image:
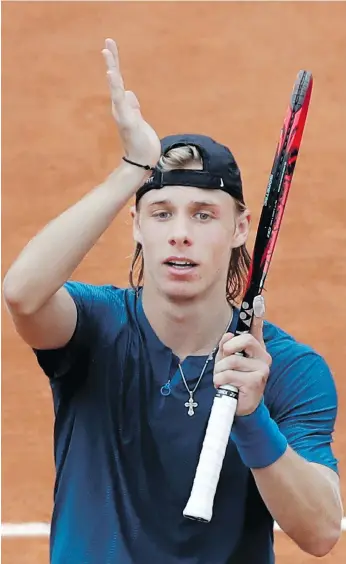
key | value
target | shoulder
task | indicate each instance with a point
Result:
(301, 396)
(298, 370)
(286, 350)
(279, 341)
(95, 292)
(105, 295)
(106, 305)
(103, 313)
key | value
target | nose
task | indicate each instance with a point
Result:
(180, 233)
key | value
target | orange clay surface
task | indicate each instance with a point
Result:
(225, 69)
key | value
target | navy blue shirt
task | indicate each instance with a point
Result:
(126, 455)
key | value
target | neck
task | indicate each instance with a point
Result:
(191, 327)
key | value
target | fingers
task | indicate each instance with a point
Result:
(257, 322)
(226, 337)
(132, 100)
(115, 80)
(247, 343)
(237, 362)
(259, 307)
(253, 380)
(111, 46)
(232, 369)
(125, 105)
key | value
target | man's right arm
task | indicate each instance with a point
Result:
(43, 311)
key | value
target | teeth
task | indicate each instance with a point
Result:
(180, 263)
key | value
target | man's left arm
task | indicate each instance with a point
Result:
(304, 499)
(301, 488)
(288, 448)
(289, 453)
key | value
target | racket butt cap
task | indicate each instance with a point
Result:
(196, 512)
(199, 519)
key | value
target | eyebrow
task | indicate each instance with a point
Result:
(159, 203)
(194, 203)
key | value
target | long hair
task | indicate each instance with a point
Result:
(189, 157)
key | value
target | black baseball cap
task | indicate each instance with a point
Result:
(220, 170)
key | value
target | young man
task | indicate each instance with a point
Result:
(124, 363)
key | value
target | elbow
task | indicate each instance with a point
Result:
(14, 298)
(323, 547)
(321, 544)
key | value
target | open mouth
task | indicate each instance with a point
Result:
(181, 264)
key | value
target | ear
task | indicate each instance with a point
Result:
(135, 225)
(242, 228)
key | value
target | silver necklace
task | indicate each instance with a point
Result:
(191, 403)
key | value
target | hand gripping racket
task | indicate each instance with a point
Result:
(200, 504)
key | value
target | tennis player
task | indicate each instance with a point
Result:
(133, 370)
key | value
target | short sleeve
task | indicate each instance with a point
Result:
(73, 357)
(303, 401)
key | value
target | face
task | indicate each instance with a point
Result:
(187, 235)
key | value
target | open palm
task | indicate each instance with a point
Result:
(140, 141)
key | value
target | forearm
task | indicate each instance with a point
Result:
(302, 500)
(50, 258)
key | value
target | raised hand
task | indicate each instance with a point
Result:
(140, 141)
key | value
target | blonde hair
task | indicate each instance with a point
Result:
(181, 157)
(188, 157)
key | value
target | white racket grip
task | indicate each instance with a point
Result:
(201, 500)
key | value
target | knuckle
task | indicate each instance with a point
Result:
(268, 358)
(248, 340)
(263, 376)
(221, 378)
(238, 362)
(231, 362)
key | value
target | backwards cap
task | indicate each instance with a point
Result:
(220, 170)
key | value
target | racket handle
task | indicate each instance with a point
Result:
(200, 504)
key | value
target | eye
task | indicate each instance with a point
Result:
(161, 214)
(203, 216)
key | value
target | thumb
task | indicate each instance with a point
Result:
(257, 322)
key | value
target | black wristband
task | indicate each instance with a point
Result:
(146, 167)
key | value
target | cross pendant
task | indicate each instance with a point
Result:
(191, 404)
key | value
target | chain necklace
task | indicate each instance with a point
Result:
(191, 403)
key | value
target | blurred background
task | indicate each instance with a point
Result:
(225, 69)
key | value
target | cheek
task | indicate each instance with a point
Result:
(151, 244)
(148, 233)
(218, 245)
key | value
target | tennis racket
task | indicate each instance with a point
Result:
(200, 504)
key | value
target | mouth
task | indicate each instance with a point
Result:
(180, 264)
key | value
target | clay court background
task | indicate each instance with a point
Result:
(225, 69)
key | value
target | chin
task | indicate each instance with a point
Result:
(181, 292)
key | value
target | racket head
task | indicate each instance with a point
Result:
(276, 195)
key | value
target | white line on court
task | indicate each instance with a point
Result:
(43, 529)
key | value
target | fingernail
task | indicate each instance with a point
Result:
(258, 306)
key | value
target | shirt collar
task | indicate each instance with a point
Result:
(151, 338)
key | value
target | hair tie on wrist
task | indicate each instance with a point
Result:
(146, 167)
